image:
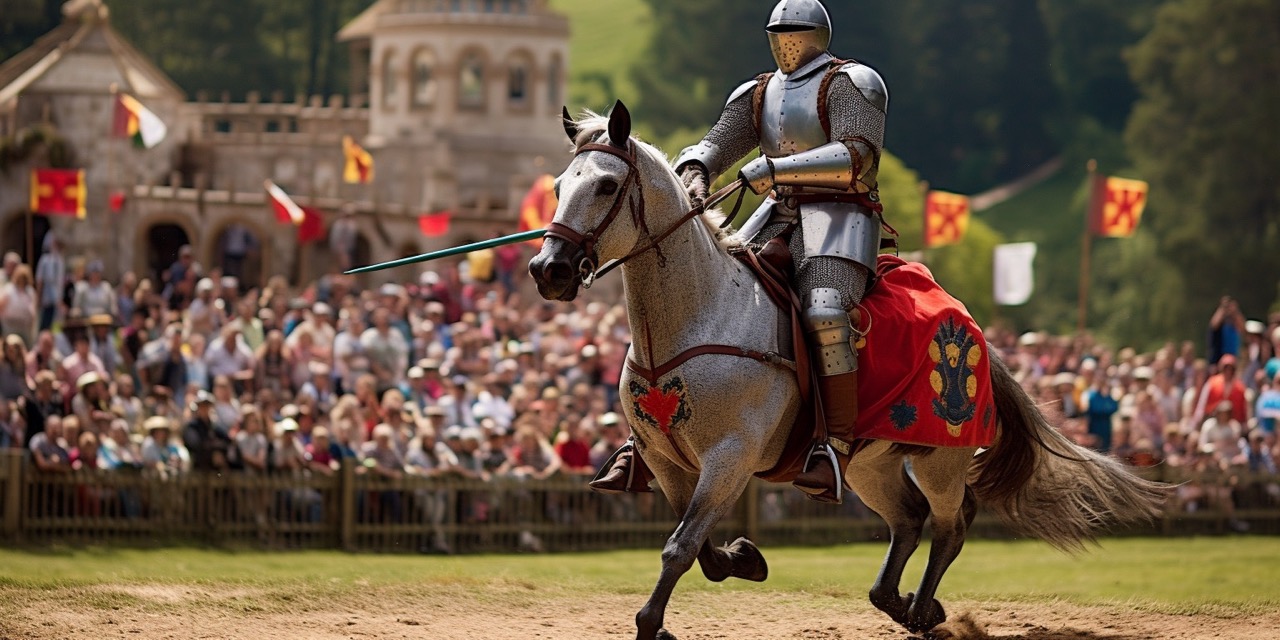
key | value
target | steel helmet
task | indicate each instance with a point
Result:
(799, 31)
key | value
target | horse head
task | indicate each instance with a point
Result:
(601, 212)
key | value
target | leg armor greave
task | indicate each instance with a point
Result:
(830, 330)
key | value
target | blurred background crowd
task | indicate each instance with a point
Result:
(459, 372)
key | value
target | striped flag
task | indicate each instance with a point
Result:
(287, 211)
(359, 166)
(539, 206)
(132, 120)
(1117, 206)
(946, 218)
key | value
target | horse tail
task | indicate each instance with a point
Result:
(1041, 484)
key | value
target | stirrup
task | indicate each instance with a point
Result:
(610, 464)
(823, 450)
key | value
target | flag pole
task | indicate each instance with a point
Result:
(1086, 249)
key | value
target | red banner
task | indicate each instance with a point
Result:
(1117, 206)
(946, 218)
(434, 225)
(58, 192)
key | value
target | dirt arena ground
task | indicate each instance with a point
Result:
(183, 612)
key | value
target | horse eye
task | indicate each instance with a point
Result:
(607, 188)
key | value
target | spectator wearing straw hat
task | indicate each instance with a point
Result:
(102, 341)
(161, 451)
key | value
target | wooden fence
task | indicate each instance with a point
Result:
(358, 512)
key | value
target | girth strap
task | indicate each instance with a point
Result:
(653, 375)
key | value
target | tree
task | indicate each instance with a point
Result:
(1206, 135)
(23, 21)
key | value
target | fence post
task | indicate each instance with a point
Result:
(347, 511)
(13, 494)
(753, 510)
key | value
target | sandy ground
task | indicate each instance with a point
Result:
(183, 612)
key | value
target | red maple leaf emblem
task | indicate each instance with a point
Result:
(661, 406)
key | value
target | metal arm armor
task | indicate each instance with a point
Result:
(829, 166)
(732, 137)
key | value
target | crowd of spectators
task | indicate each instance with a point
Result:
(459, 372)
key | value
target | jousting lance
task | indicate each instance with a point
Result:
(523, 236)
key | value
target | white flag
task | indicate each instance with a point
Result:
(1014, 279)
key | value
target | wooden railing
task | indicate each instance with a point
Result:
(358, 512)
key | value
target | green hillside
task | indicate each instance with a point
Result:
(607, 37)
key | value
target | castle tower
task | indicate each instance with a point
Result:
(463, 99)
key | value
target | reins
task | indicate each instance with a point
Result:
(588, 268)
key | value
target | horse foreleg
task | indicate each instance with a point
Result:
(883, 485)
(712, 499)
(941, 476)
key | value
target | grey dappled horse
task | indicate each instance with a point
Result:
(709, 422)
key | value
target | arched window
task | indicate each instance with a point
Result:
(424, 81)
(389, 80)
(471, 81)
(553, 81)
(518, 82)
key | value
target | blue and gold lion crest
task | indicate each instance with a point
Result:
(955, 354)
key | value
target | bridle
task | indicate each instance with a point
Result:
(589, 268)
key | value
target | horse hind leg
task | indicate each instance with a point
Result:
(941, 476)
(883, 485)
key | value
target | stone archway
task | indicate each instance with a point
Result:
(161, 240)
(240, 248)
(13, 236)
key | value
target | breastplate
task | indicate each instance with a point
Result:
(789, 120)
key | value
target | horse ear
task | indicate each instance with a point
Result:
(619, 125)
(570, 127)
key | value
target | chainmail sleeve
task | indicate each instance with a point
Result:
(855, 122)
(852, 116)
(732, 137)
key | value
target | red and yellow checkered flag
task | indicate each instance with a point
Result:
(946, 218)
(1117, 207)
(58, 192)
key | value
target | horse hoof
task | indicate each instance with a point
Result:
(663, 634)
(894, 605)
(747, 561)
(920, 621)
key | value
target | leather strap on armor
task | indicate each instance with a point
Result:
(757, 101)
(824, 116)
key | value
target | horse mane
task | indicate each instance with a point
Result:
(593, 126)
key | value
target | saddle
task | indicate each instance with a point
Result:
(774, 268)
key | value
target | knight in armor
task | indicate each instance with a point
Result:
(818, 122)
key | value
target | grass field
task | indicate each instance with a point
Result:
(1221, 574)
(608, 36)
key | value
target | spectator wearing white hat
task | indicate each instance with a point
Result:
(319, 323)
(205, 314)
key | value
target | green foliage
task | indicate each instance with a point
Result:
(1205, 134)
(23, 21)
(27, 142)
(608, 35)
(261, 45)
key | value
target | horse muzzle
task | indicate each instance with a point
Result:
(557, 270)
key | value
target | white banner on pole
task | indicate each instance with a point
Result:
(1014, 279)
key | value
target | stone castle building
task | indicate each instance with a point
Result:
(457, 100)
